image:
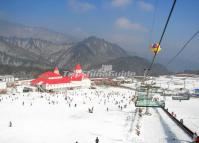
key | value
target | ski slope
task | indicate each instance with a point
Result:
(60, 122)
(159, 128)
(186, 110)
(64, 118)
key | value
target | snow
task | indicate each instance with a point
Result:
(50, 118)
(161, 129)
(186, 110)
(44, 122)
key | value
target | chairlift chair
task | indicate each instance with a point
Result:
(145, 96)
(150, 103)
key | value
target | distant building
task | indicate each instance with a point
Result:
(109, 74)
(78, 78)
(3, 87)
(53, 81)
(106, 71)
(9, 79)
(106, 68)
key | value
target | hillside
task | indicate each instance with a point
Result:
(22, 71)
(11, 29)
(29, 49)
(89, 52)
(43, 48)
(135, 64)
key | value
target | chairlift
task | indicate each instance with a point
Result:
(142, 89)
(153, 89)
(181, 96)
(156, 89)
(150, 103)
(145, 98)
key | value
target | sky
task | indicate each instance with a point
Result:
(133, 24)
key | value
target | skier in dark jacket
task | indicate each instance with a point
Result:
(10, 124)
(97, 140)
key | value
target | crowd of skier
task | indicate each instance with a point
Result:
(110, 100)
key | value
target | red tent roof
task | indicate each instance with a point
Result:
(78, 67)
(57, 81)
(36, 81)
(56, 68)
(78, 77)
(45, 78)
(49, 74)
(50, 81)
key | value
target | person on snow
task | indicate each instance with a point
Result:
(10, 124)
(195, 138)
(97, 140)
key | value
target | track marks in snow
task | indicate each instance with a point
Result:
(171, 136)
(173, 132)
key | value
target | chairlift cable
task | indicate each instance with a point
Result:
(153, 60)
(183, 47)
(162, 35)
(153, 22)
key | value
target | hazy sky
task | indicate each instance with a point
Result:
(126, 22)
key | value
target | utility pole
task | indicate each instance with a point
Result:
(147, 108)
(184, 83)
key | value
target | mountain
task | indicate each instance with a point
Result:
(31, 49)
(90, 51)
(10, 29)
(22, 72)
(27, 51)
(15, 61)
(190, 72)
(135, 64)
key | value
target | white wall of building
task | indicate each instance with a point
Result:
(3, 85)
(82, 83)
(55, 86)
(7, 78)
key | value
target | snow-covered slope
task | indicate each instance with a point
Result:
(64, 118)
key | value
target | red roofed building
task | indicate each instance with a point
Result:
(56, 70)
(54, 81)
(51, 80)
(78, 78)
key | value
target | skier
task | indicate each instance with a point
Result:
(181, 121)
(97, 140)
(10, 124)
(195, 138)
